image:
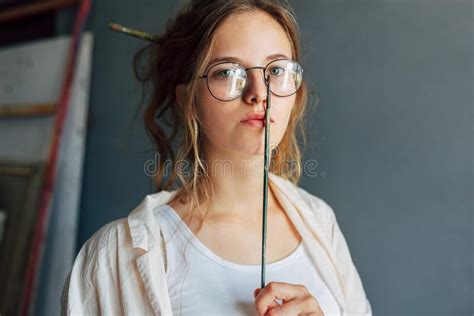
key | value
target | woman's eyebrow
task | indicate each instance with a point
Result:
(238, 60)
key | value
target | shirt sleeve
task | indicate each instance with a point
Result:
(79, 291)
(356, 299)
(64, 295)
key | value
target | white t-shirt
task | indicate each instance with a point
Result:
(208, 284)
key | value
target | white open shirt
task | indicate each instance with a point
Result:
(120, 270)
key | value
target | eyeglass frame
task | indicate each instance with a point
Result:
(246, 84)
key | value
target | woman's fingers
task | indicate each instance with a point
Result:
(265, 299)
(272, 304)
(296, 300)
(297, 306)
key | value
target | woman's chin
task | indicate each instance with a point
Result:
(254, 150)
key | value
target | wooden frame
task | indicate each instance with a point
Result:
(20, 191)
(38, 7)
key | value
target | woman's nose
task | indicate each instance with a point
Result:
(256, 89)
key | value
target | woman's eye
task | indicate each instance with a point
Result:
(277, 71)
(224, 73)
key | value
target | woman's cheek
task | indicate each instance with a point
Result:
(282, 119)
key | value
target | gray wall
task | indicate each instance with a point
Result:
(392, 134)
(394, 138)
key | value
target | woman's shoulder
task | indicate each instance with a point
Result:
(109, 232)
(294, 190)
(322, 212)
(106, 241)
(318, 204)
(127, 236)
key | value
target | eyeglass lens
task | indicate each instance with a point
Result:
(227, 81)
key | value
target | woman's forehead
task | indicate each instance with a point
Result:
(250, 36)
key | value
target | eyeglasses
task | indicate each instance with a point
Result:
(227, 81)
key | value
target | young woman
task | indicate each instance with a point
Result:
(196, 249)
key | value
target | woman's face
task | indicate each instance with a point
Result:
(252, 37)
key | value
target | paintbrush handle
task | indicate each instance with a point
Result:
(136, 33)
(265, 184)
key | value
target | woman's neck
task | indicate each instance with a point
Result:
(237, 180)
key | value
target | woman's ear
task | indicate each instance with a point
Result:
(179, 93)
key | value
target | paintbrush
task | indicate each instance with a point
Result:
(136, 33)
(265, 182)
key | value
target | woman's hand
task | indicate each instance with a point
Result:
(296, 300)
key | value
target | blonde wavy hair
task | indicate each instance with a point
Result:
(180, 56)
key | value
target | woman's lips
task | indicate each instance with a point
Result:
(255, 123)
(257, 116)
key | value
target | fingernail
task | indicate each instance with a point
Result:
(255, 292)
